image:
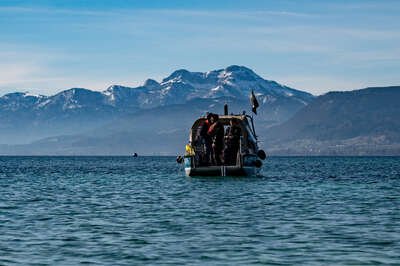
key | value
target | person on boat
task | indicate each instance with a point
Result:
(204, 140)
(216, 131)
(232, 142)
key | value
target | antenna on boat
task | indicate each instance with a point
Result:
(254, 129)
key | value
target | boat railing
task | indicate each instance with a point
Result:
(239, 160)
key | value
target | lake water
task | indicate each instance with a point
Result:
(129, 211)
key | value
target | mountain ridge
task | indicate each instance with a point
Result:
(358, 122)
(211, 80)
(167, 133)
(78, 109)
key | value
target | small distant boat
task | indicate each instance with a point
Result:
(248, 156)
(135, 155)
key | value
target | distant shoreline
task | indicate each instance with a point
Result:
(173, 156)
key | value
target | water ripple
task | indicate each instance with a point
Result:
(124, 211)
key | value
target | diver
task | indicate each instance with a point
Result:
(216, 132)
(232, 142)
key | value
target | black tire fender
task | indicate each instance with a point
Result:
(261, 154)
(258, 163)
(179, 159)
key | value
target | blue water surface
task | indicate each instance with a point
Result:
(134, 211)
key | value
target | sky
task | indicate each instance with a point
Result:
(315, 46)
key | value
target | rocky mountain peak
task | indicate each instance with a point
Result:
(151, 83)
(185, 76)
(236, 72)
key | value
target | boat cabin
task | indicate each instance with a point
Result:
(238, 153)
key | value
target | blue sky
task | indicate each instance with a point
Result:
(316, 46)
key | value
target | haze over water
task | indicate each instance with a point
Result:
(126, 211)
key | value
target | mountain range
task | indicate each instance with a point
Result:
(155, 118)
(359, 122)
(25, 118)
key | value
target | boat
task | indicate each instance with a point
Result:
(247, 161)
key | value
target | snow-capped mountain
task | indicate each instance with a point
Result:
(178, 88)
(25, 117)
(183, 85)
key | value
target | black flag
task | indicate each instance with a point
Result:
(254, 102)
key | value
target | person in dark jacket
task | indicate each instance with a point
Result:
(216, 132)
(204, 140)
(232, 142)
